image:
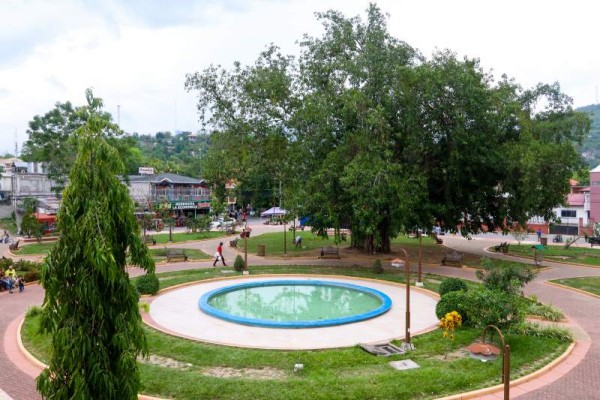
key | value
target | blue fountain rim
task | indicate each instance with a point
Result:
(386, 304)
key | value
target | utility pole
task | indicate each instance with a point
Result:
(119, 115)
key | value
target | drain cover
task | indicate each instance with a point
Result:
(386, 349)
(404, 364)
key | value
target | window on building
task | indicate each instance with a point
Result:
(568, 213)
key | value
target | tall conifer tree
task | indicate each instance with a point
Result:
(90, 306)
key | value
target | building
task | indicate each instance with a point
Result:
(183, 195)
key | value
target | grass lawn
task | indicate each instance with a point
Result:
(163, 238)
(579, 255)
(198, 370)
(44, 248)
(34, 249)
(311, 247)
(193, 254)
(589, 284)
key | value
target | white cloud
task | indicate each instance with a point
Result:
(138, 60)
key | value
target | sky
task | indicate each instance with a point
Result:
(135, 54)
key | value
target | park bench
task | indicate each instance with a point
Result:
(330, 252)
(148, 239)
(14, 246)
(233, 243)
(436, 238)
(454, 258)
(175, 254)
(501, 248)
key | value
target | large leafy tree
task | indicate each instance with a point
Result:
(90, 306)
(52, 141)
(375, 137)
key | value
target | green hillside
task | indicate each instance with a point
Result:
(590, 149)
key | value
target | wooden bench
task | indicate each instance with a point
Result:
(501, 248)
(454, 258)
(175, 254)
(14, 246)
(149, 239)
(233, 243)
(330, 252)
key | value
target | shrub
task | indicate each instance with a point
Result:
(33, 311)
(508, 279)
(147, 284)
(536, 330)
(31, 276)
(480, 308)
(545, 311)
(238, 263)
(452, 285)
(5, 263)
(452, 301)
(377, 267)
(24, 265)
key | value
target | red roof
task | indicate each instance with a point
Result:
(576, 199)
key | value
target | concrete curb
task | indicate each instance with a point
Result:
(558, 285)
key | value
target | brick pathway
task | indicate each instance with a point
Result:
(581, 382)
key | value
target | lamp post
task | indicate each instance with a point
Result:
(419, 274)
(486, 352)
(246, 246)
(397, 262)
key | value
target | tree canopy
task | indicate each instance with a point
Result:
(52, 140)
(90, 306)
(366, 133)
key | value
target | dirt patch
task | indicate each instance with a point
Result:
(250, 373)
(164, 362)
(453, 355)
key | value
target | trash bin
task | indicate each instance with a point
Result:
(544, 241)
(261, 250)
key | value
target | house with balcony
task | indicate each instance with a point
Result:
(184, 195)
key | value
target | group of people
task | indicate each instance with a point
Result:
(10, 280)
(5, 238)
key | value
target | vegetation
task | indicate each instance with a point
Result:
(508, 279)
(452, 285)
(377, 267)
(90, 307)
(238, 263)
(589, 284)
(332, 374)
(147, 284)
(362, 132)
(579, 255)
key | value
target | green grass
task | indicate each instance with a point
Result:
(9, 225)
(193, 254)
(35, 249)
(348, 373)
(589, 284)
(274, 243)
(579, 255)
(163, 238)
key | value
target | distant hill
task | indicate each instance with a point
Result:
(590, 149)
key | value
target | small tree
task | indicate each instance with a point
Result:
(238, 263)
(377, 267)
(90, 306)
(508, 279)
(519, 234)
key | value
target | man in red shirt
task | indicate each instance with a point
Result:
(219, 255)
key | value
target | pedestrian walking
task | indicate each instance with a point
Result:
(219, 255)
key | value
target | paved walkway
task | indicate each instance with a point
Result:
(570, 380)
